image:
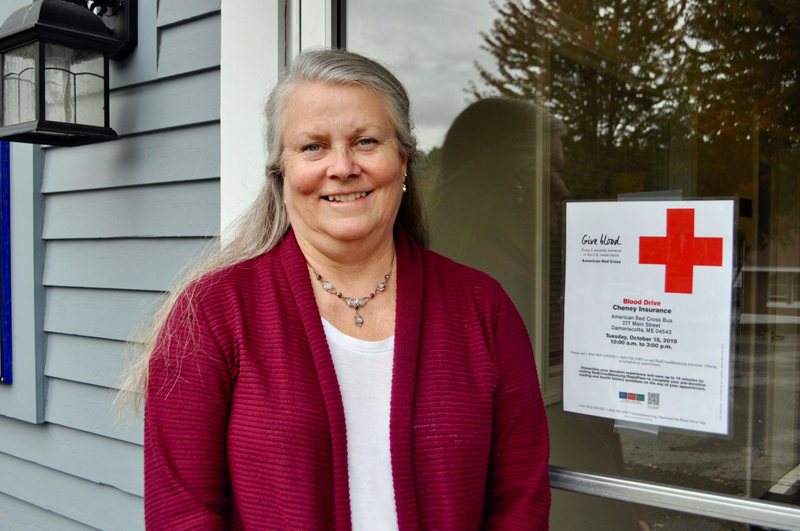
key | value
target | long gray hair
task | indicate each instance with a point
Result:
(266, 222)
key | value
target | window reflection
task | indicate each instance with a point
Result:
(698, 96)
(487, 189)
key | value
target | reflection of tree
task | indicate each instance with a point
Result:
(744, 69)
(655, 93)
(603, 66)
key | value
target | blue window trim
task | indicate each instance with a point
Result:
(5, 267)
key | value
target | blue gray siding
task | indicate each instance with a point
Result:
(120, 221)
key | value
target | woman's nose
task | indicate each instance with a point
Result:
(343, 164)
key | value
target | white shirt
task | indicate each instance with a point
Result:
(364, 371)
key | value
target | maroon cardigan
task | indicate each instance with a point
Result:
(244, 424)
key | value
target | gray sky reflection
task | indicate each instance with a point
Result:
(432, 54)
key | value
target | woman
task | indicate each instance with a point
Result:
(325, 371)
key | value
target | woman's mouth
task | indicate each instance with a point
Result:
(345, 197)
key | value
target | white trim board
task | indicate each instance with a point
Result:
(252, 49)
(273, 32)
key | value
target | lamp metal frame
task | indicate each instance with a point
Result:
(110, 29)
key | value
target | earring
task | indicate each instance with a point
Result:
(404, 187)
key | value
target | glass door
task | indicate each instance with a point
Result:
(522, 105)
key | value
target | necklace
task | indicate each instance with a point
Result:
(355, 304)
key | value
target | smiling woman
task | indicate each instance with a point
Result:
(275, 401)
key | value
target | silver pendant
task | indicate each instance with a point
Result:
(355, 304)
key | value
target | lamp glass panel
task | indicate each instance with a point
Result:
(74, 86)
(19, 85)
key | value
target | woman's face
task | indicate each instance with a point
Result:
(342, 166)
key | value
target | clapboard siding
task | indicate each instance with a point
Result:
(166, 104)
(87, 408)
(184, 154)
(97, 459)
(122, 219)
(17, 515)
(182, 209)
(89, 503)
(106, 314)
(131, 264)
(85, 359)
(175, 11)
(189, 47)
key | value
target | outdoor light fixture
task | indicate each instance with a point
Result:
(54, 61)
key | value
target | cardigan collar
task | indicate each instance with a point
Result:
(409, 278)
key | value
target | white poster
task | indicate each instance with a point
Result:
(648, 312)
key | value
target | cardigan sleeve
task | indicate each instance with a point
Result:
(186, 418)
(518, 485)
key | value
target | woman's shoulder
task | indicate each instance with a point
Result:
(458, 295)
(239, 278)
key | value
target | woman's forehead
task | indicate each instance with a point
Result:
(311, 91)
(312, 103)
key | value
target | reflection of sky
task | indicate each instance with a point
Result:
(431, 47)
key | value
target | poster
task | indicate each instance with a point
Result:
(647, 310)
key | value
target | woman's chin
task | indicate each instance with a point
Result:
(356, 228)
(352, 234)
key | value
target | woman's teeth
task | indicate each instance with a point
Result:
(348, 197)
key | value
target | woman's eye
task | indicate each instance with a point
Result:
(312, 147)
(367, 141)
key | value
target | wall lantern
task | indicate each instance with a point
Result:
(54, 60)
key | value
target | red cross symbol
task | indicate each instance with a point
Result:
(680, 251)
